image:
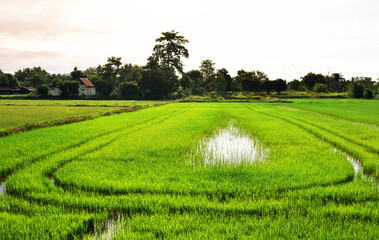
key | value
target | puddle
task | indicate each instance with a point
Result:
(109, 229)
(230, 147)
(358, 168)
(3, 188)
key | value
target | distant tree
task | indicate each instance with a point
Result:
(311, 79)
(368, 92)
(207, 68)
(335, 82)
(169, 49)
(187, 83)
(130, 90)
(319, 87)
(280, 85)
(130, 73)
(36, 80)
(250, 81)
(224, 74)
(268, 86)
(217, 83)
(8, 80)
(69, 89)
(104, 87)
(356, 89)
(155, 84)
(294, 85)
(197, 78)
(43, 90)
(76, 74)
(32, 76)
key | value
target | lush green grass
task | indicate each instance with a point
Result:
(138, 165)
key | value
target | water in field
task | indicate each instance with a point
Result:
(230, 147)
(3, 188)
(358, 169)
(109, 229)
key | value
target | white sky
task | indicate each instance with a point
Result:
(284, 38)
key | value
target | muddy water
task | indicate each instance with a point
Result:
(230, 147)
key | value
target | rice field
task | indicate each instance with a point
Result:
(197, 171)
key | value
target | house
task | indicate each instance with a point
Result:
(86, 87)
(27, 90)
(54, 91)
(9, 91)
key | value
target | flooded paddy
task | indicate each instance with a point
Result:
(230, 147)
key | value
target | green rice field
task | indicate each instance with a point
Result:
(301, 170)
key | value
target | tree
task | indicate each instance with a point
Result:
(76, 74)
(336, 82)
(43, 90)
(169, 50)
(197, 79)
(311, 79)
(294, 85)
(130, 90)
(319, 87)
(267, 85)
(224, 74)
(69, 89)
(154, 84)
(280, 85)
(356, 89)
(8, 80)
(32, 76)
(207, 68)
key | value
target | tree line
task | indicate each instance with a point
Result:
(163, 78)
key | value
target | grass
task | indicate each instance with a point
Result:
(138, 165)
(15, 116)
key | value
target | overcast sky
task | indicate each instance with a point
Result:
(284, 38)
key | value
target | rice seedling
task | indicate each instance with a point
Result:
(271, 173)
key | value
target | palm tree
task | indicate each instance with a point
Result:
(169, 49)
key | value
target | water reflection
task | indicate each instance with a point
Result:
(230, 147)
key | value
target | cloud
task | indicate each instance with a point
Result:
(40, 20)
(12, 59)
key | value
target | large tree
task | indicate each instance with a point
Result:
(169, 49)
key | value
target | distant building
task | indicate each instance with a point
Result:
(54, 91)
(86, 87)
(27, 90)
(16, 91)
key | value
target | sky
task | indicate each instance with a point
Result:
(283, 38)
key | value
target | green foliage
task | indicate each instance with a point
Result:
(169, 49)
(311, 79)
(319, 87)
(43, 90)
(356, 89)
